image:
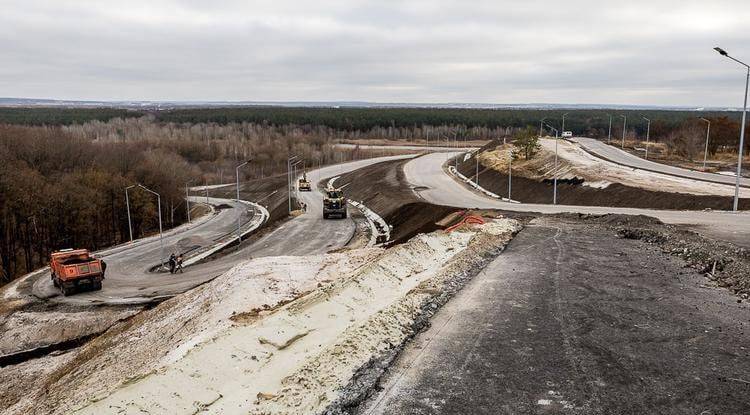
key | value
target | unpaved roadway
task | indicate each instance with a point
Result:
(430, 182)
(571, 319)
(618, 156)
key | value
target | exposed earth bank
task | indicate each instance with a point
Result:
(594, 184)
(283, 334)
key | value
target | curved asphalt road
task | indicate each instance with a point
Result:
(615, 155)
(310, 234)
(431, 183)
(128, 280)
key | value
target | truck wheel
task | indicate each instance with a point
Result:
(67, 291)
(325, 216)
(343, 216)
(54, 282)
(96, 286)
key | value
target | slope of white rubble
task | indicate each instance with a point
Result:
(227, 348)
(574, 162)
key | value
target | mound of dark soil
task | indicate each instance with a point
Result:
(383, 188)
(724, 263)
(415, 218)
(573, 192)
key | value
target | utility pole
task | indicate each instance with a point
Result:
(742, 129)
(563, 121)
(708, 132)
(624, 124)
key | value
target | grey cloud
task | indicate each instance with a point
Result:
(638, 52)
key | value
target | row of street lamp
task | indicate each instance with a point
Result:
(187, 200)
(648, 133)
(293, 161)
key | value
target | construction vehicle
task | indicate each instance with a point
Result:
(304, 184)
(334, 203)
(72, 270)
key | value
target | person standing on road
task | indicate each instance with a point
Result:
(179, 264)
(172, 263)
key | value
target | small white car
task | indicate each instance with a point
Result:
(567, 134)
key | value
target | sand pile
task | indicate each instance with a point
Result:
(225, 348)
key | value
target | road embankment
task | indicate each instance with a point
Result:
(283, 334)
(586, 181)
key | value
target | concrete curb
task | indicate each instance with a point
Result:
(452, 170)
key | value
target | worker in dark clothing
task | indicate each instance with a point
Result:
(179, 264)
(104, 267)
(172, 263)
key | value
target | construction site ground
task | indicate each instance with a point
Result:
(580, 314)
(575, 317)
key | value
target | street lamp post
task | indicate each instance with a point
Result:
(510, 172)
(293, 178)
(554, 191)
(161, 234)
(239, 217)
(541, 126)
(708, 133)
(609, 134)
(187, 201)
(648, 133)
(563, 121)
(127, 203)
(742, 129)
(289, 180)
(476, 159)
(624, 126)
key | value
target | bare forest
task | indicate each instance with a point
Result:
(63, 186)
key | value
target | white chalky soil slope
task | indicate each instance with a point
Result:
(295, 358)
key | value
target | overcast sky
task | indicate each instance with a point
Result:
(633, 52)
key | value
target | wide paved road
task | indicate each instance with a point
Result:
(128, 276)
(618, 156)
(309, 233)
(434, 185)
(129, 281)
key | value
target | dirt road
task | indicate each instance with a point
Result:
(571, 319)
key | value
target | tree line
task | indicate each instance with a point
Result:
(63, 171)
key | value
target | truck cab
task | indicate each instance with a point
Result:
(73, 270)
(334, 203)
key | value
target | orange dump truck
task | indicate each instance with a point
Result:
(72, 269)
